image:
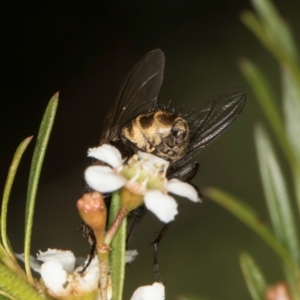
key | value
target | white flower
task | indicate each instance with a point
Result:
(165, 207)
(156, 291)
(108, 154)
(62, 279)
(144, 174)
(104, 179)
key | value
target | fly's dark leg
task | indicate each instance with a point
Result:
(137, 215)
(88, 232)
(92, 253)
(131, 232)
(194, 167)
(190, 170)
(155, 249)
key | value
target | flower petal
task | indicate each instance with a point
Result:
(54, 276)
(130, 256)
(35, 265)
(183, 189)
(152, 163)
(90, 279)
(103, 179)
(108, 154)
(65, 258)
(162, 205)
(156, 291)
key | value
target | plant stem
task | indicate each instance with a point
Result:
(121, 215)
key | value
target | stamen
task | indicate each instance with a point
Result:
(136, 176)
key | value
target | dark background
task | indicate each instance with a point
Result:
(85, 51)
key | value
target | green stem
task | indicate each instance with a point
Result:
(117, 238)
(104, 270)
(121, 215)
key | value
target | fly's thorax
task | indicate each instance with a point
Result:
(161, 133)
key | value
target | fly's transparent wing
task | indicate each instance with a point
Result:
(137, 95)
(212, 121)
(208, 123)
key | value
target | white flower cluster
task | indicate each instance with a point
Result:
(63, 281)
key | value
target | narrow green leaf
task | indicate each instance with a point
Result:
(254, 278)
(248, 216)
(4, 296)
(118, 245)
(277, 29)
(291, 109)
(11, 284)
(35, 171)
(12, 264)
(278, 201)
(7, 189)
(265, 97)
(285, 56)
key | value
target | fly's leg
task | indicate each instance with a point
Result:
(131, 232)
(137, 215)
(88, 232)
(192, 169)
(92, 254)
(189, 172)
(155, 244)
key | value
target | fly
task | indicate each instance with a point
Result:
(136, 122)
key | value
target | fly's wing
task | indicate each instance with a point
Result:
(137, 95)
(208, 123)
(215, 119)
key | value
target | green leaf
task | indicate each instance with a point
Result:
(255, 280)
(248, 216)
(273, 34)
(35, 171)
(12, 264)
(4, 296)
(278, 201)
(277, 29)
(7, 189)
(265, 96)
(291, 109)
(118, 245)
(11, 284)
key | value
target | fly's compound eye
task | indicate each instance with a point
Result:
(178, 135)
(179, 132)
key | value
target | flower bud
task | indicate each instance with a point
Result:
(92, 210)
(130, 200)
